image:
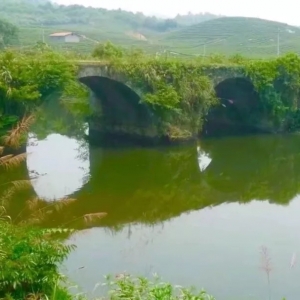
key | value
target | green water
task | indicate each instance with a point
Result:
(196, 215)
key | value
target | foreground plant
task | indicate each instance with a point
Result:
(11, 142)
(29, 257)
(129, 287)
(29, 260)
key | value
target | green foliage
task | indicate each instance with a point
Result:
(278, 83)
(29, 261)
(107, 51)
(128, 287)
(178, 93)
(8, 32)
(7, 120)
(28, 78)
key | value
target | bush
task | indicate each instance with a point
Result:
(28, 78)
(128, 287)
(29, 260)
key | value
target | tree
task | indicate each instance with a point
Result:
(8, 32)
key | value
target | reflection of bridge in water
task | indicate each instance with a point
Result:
(154, 185)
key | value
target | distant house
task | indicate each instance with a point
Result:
(67, 37)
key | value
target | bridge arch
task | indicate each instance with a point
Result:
(117, 111)
(238, 110)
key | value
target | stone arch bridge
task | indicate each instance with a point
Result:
(118, 112)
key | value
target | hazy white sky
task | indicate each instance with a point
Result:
(286, 11)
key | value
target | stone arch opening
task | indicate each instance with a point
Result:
(238, 111)
(117, 110)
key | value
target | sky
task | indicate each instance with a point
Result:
(285, 11)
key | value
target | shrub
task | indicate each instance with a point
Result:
(28, 78)
(128, 287)
(29, 260)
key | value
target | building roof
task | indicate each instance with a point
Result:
(61, 34)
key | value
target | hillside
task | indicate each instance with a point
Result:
(231, 35)
(36, 19)
(48, 13)
(43, 13)
(200, 34)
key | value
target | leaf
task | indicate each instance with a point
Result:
(10, 161)
(12, 139)
(21, 184)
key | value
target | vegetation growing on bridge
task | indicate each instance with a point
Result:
(178, 93)
(278, 83)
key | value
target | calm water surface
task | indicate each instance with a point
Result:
(196, 215)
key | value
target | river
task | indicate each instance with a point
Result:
(196, 214)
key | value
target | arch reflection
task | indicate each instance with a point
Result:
(58, 165)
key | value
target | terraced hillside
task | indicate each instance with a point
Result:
(30, 35)
(33, 17)
(231, 35)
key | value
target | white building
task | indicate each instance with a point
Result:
(67, 37)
